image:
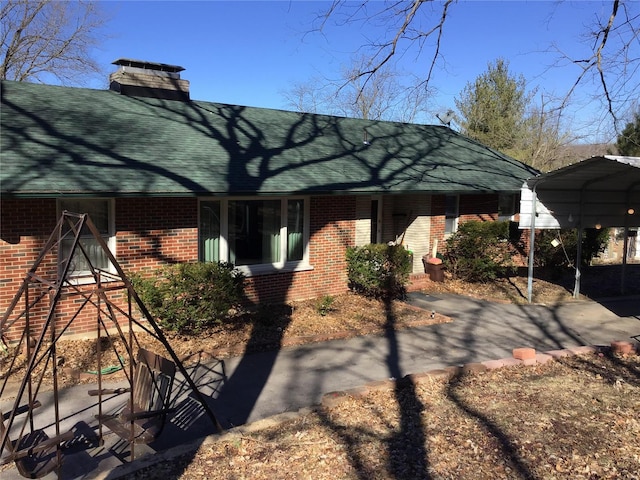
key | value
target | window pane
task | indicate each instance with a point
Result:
(254, 231)
(80, 262)
(295, 225)
(450, 213)
(374, 221)
(209, 231)
(98, 211)
(506, 205)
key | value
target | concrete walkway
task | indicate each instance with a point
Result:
(261, 385)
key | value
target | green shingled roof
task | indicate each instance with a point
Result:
(62, 141)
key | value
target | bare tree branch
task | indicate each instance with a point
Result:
(48, 37)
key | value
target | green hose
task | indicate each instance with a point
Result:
(108, 370)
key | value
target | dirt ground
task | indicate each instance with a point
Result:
(574, 418)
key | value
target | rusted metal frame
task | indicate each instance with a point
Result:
(56, 396)
(45, 327)
(76, 290)
(135, 322)
(34, 403)
(132, 443)
(13, 361)
(40, 280)
(53, 238)
(47, 352)
(10, 323)
(99, 360)
(160, 335)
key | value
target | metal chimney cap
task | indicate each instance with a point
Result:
(161, 67)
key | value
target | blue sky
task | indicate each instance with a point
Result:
(249, 52)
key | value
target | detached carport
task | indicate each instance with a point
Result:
(599, 192)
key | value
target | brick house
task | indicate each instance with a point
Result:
(280, 194)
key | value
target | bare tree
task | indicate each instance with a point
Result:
(49, 38)
(545, 142)
(612, 61)
(381, 96)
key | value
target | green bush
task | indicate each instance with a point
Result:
(379, 270)
(188, 297)
(479, 251)
(594, 242)
(324, 305)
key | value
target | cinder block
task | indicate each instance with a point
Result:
(361, 391)
(524, 353)
(438, 373)
(542, 358)
(559, 353)
(380, 385)
(332, 399)
(620, 347)
(493, 364)
(584, 350)
(511, 362)
(417, 378)
(473, 368)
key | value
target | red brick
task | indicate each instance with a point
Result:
(524, 353)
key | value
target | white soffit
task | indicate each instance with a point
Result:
(599, 191)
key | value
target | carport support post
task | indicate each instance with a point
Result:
(532, 239)
(576, 287)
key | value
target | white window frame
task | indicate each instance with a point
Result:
(84, 276)
(265, 268)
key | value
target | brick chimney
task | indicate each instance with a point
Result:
(147, 79)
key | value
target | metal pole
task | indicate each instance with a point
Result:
(532, 239)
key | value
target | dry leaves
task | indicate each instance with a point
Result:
(575, 418)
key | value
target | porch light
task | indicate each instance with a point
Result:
(631, 211)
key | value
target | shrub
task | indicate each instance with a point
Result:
(594, 242)
(324, 305)
(187, 297)
(378, 270)
(479, 251)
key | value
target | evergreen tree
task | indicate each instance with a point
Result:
(628, 142)
(493, 108)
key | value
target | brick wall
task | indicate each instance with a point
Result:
(152, 232)
(470, 207)
(332, 228)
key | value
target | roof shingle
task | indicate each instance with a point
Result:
(65, 141)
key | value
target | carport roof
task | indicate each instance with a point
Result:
(596, 192)
(605, 173)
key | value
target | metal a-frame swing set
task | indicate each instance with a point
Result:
(35, 310)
